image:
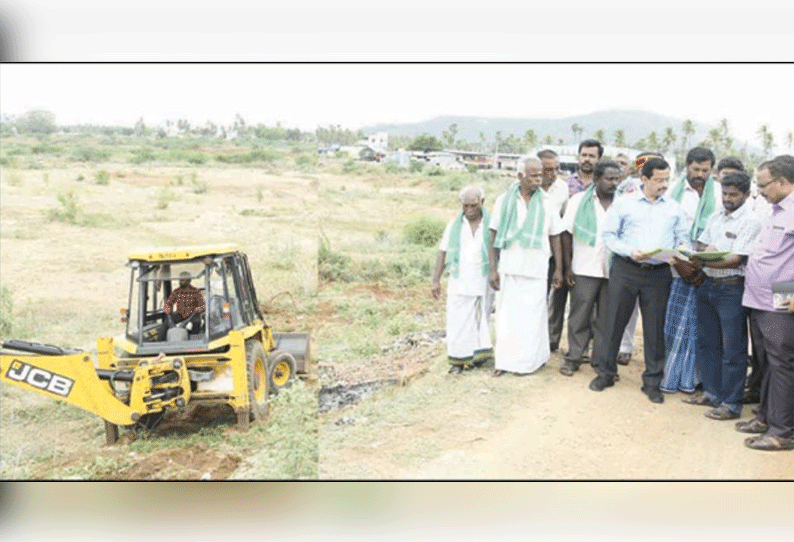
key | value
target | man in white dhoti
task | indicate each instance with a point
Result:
(525, 231)
(463, 252)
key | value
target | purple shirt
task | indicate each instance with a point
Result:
(575, 184)
(772, 259)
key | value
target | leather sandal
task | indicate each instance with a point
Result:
(751, 426)
(769, 443)
(624, 358)
(699, 399)
(721, 413)
(497, 372)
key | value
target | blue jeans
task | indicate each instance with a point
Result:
(721, 355)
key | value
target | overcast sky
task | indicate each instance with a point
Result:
(354, 95)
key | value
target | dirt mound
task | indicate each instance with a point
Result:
(195, 463)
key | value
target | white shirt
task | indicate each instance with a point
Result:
(558, 194)
(587, 260)
(527, 262)
(736, 232)
(690, 199)
(470, 279)
(689, 203)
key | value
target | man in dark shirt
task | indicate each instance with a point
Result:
(186, 302)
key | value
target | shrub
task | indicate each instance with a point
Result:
(68, 209)
(7, 323)
(164, 197)
(144, 154)
(392, 168)
(424, 231)
(434, 171)
(332, 266)
(102, 177)
(349, 167)
(90, 154)
(415, 166)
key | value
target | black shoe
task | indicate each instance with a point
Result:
(553, 347)
(654, 395)
(751, 397)
(569, 367)
(455, 370)
(601, 382)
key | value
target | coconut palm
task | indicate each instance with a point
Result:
(619, 138)
(766, 138)
(669, 138)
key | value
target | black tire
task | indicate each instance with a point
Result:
(280, 371)
(256, 374)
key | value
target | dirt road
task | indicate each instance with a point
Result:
(540, 426)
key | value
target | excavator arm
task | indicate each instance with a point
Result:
(120, 397)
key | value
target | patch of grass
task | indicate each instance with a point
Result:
(164, 197)
(256, 155)
(80, 177)
(333, 266)
(424, 231)
(12, 177)
(415, 166)
(7, 321)
(350, 167)
(90, 154)
(68, 208)
(102, 177)
(198, 186)
(142, 155)
(260, 192)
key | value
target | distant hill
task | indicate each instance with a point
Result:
(636, 125)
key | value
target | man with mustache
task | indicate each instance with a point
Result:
(700, 196)
(586, 260)
(721, 355)
(772, 262)
(525, 231)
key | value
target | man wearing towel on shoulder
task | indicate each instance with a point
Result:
(464, 253)
(525, 230)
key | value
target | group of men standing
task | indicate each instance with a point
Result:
(612, 238)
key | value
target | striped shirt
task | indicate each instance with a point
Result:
(735, 232)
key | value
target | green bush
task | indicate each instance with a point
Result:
(349, 167)
(434, 171)
(392, 168)
(7, 322)
(90, 154)
(144, 154)
(415, 166)
(102, 177)
(333, 266)
(68, 209)
(424, 231)
(256, 155)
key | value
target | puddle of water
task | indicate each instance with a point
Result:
(333, 397)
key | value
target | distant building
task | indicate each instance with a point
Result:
(378, 141)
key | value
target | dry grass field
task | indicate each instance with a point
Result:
(65, 231)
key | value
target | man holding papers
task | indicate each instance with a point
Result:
(721, 354)
(634, 226)
(772, 263)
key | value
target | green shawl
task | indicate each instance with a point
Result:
(530, 234)
(705, 206)
(585, 226)
(452, 260)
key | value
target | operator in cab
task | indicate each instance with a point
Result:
(185, 303)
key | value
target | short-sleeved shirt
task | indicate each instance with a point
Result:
(470, 279)
(772, 258)
(187, 299)
(527, 262)
(575, 184)
(588, 261)
(735, 232)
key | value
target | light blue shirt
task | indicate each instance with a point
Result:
(634, 222)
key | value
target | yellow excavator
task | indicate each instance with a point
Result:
(224, 354)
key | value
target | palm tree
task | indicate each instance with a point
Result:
(548, 140)
(714, 139)
(723, 127)
(669, 138)
(766, 138)
(619, 138)
(599, 135)
(653, 141)
(531, 138)
(688, 129)
(790, 140)
(577, 131)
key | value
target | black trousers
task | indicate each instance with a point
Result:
(777, 388)
(557, 300)
(758, 361)
(628, 281)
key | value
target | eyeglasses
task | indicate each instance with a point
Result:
(762, 186)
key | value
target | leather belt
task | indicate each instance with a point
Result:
(727, 281)
(643, 265)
